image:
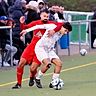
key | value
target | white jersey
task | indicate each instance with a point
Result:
(44, 47)
(48, 42)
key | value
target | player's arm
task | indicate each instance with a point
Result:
(23, 32)
(25, 26)
(43, 26)
(56, 29)
(32, 29)
(58, 24)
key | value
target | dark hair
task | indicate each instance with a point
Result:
(41, 3)
(68, 26)
(44, 10)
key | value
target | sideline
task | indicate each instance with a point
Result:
(68, 69)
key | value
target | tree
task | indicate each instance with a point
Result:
(75, 5)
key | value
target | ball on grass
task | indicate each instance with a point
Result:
(57, 84)
(83, 52)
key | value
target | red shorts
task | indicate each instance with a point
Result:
(29, 54)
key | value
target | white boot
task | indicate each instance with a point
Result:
(6, 64)
(15, 61)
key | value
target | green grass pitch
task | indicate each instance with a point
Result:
(78, 73)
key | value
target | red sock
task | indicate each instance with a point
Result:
(32, 74)
(19, 75)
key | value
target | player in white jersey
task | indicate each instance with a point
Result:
(46, 45)
(44, 48)
(45, 52)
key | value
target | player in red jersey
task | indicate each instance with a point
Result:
(28, 56)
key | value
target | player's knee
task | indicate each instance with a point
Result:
(33, 67)
(22, 63)
(59, 64)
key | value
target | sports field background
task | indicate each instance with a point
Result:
(78, 73)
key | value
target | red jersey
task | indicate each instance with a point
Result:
(29, 53)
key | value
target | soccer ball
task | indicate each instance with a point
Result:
(57, 84)
(83, 52)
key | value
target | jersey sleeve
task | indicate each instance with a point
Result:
(26, 26)
(35, 27)
(58, 24)
(43, 26)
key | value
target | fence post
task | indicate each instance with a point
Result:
(89, 23)
(11, 46)
(79, 35)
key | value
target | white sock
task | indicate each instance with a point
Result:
(55, 75)
(39, 75)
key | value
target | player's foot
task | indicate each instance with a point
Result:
(17, 86)
(38, 83)
(50, 85)
(31, 81)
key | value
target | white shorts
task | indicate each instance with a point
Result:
(42, 54)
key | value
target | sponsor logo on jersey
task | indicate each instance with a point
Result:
(39, 34)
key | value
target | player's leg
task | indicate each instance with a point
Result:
(33, 71)
(47, 63)
(42, 56)
(36, 63)
(31, 79)
(40, 73)
(20, 69)
(57, 62)
(58, 66)
(25, 58)
(57, 69)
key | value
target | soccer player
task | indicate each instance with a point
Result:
(44, 49)
(45, 53)
(28, 56)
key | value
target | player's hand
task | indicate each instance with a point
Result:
(22, 33)
(27, 44)
(22, 19)
(50, 33)
(21, 38)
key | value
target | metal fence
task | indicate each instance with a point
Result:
(8, 27)
(88, 25)
(77, 23)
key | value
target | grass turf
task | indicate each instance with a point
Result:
(78, 73)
